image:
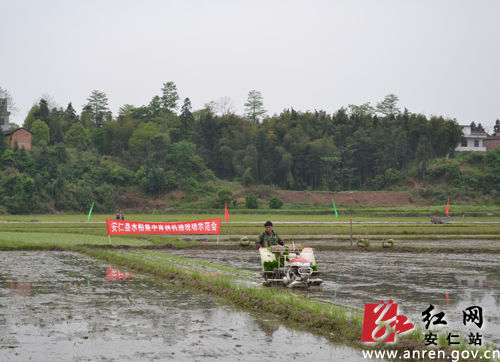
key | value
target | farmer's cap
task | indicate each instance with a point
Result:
(268, 223)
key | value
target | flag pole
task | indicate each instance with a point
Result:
(226, 213)
(90, 212)
(334, 208)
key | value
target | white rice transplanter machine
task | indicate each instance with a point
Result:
(290, 265)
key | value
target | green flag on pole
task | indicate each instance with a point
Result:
(90, 212)
(336, 213)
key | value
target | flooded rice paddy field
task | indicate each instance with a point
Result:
(58, 306)
(442, 241)
(413, 280)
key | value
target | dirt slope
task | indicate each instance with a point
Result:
(377, 198)
(134, 201)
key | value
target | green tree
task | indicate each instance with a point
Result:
(445, 135)
(187, 119)
(152, 180)
(148, 140)
(31, 117)
(77, 136)
(86, 117)
(247, 177)
(54, 122)
(98, 139)
(169, 97)
(480, 127)
(70, 114)
(11, 105)
(117, 134)
(254, 107)
(389, 105)
(97, 105)
(142, 136)
(226, 155)
(496, 128)
(492, 163)
(275, 203)
(154, 107)
(183, 159)
(40, 133)
(362, 110)
(206, 138)
(43, 111)
(251, 202)
(250, 162)
(3, 147)
(224, 196)
(423, 155)
(126, 111)
(17, 193)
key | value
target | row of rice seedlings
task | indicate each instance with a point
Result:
(161, 262)
(12, 245)
(181, 261)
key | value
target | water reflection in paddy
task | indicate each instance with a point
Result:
(58, 306)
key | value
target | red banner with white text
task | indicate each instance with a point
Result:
(123, 227)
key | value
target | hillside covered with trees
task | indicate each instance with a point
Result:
(155, 150)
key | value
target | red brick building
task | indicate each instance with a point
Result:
(21, 136)
(492, 142)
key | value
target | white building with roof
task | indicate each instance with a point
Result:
(472, 140)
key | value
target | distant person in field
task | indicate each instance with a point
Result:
(119, 215)
(268, 237)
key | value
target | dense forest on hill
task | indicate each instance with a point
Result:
(154, 150)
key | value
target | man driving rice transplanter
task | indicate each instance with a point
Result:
(268, 237)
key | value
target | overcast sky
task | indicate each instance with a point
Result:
(441, 57)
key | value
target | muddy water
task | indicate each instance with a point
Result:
(58, 306)
(412, 280)
(442, 243)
